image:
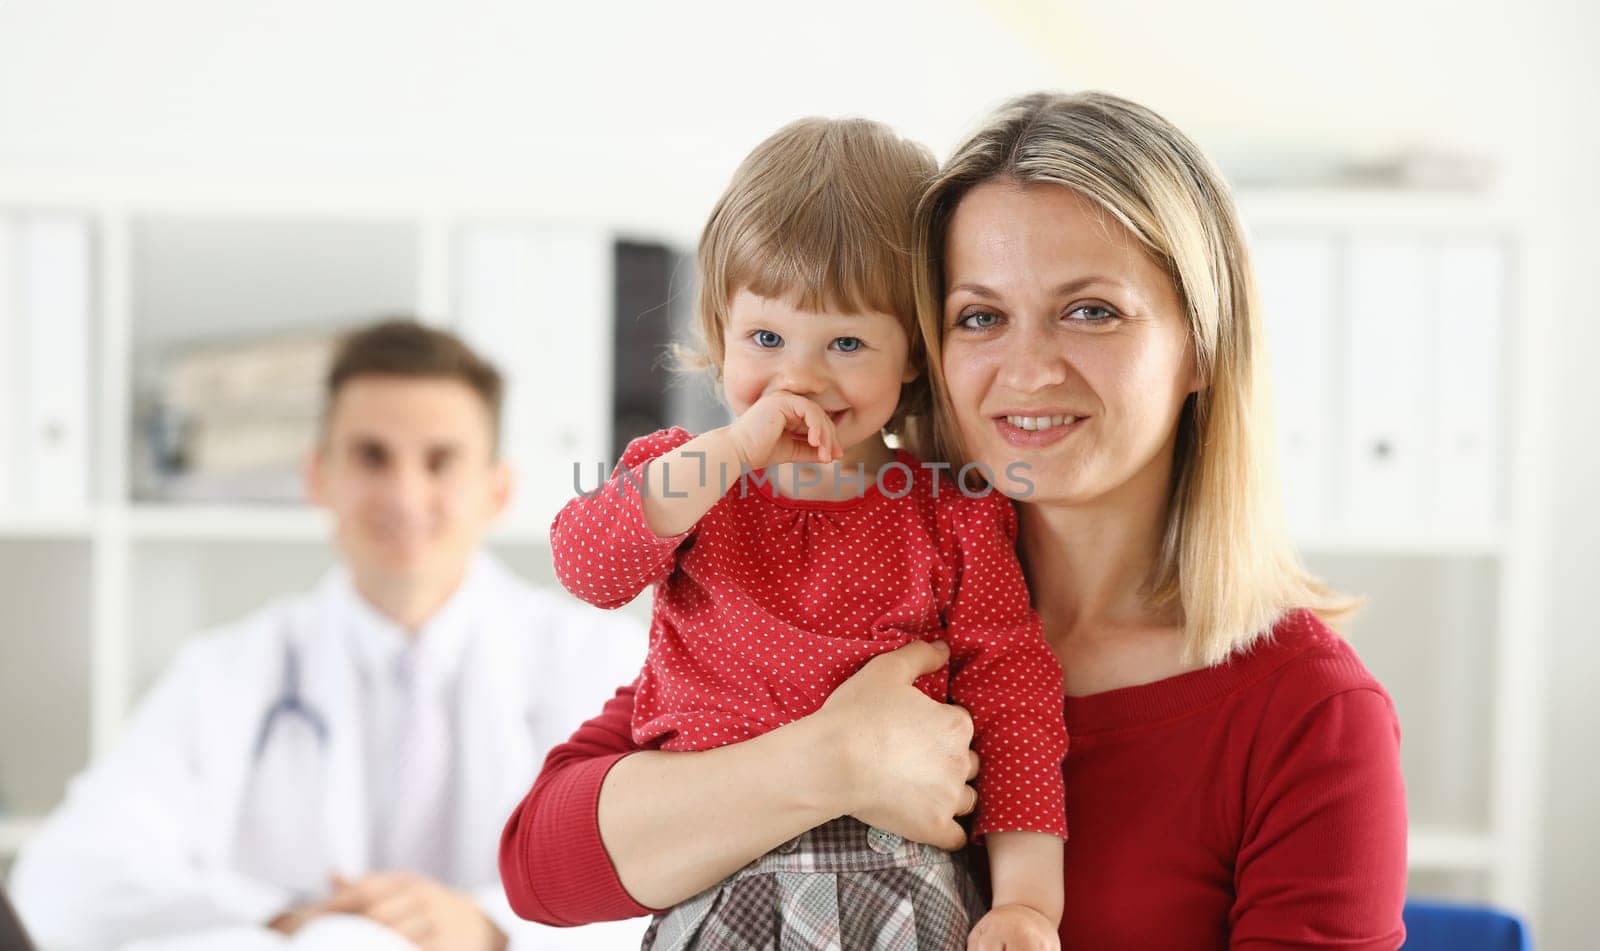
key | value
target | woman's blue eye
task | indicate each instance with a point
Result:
(978, 320)
(847, 344)
(767, 340)
(1093, 313)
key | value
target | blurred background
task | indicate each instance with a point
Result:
(197, 195)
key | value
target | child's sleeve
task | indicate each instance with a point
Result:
(1003, 672)
(605, 552)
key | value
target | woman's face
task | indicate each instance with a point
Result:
(1065, 346)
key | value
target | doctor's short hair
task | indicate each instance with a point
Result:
(402, 347)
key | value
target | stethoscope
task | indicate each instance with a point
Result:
(290, 704)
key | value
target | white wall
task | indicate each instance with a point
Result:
(1566, 149)
(619, 111)
(633, 113)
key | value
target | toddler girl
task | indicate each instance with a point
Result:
(791, 546)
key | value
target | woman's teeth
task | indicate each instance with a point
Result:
(1036, 423)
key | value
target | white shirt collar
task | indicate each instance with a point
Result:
(380, 646)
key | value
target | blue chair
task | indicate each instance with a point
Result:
(1437, 926)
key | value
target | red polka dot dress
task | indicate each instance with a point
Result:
(770, 602)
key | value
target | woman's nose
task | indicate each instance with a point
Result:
(1033, 362)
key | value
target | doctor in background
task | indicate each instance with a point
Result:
(335, 770)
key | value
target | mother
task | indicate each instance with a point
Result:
(1234, 775)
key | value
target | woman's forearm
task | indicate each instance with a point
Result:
(608, 828)
(675, 824)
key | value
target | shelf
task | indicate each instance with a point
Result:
(27, 526)
(519, 533)
(1461, 546)
(14, 831)
(1304, 209)
(1442, 849)
(289, 523)
(268, 523)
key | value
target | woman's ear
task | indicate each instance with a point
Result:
(1197, 378)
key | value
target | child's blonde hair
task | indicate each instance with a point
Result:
(819, 214)
(1226, 558)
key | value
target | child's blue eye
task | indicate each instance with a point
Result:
(847, 344)
(767, 340)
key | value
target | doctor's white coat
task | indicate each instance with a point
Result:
(182, 838)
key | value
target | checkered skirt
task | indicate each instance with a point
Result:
(843, 886)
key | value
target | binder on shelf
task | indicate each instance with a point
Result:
(55, 305)
(1468, 400)
(1386, 387)
(644, 324)
(1299, 291)
(538, 301)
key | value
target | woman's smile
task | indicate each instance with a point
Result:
(1035, 431)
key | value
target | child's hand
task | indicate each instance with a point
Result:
(784, 427)
(1014, 928)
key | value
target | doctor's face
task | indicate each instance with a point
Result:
(407, 468)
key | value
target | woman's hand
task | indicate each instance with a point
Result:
(907, 759)
(782, 428)
(674, 824)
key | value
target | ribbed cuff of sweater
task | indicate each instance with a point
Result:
(577, 885)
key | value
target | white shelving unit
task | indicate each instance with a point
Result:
(146, 574)
(1452, 629)
(1395, 321)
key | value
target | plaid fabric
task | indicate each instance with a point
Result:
(843, 886)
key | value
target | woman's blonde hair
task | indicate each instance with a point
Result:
(818, 214)
(1226, 558)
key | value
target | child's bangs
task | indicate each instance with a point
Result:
(834, 272)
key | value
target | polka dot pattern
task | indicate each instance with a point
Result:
(769, 603)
